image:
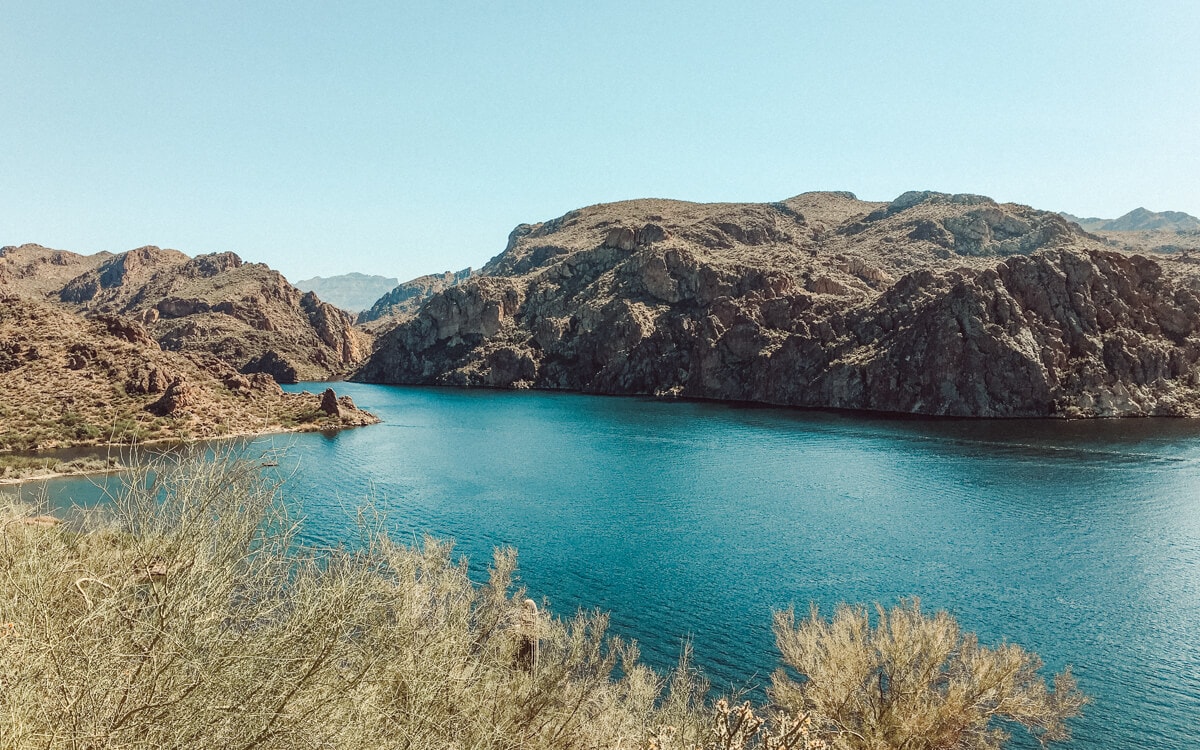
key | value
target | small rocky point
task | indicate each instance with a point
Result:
(932, 304)
(343, 408)
(73, 378)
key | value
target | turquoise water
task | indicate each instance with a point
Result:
(1078, 540)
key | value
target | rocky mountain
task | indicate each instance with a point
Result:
(244, 314)
(352, 292)
(932, 304)
(37, 271)
(70, 379)
(405, 299)
(1140, 220)
(1142, 231)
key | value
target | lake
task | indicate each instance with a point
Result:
(1078, 540)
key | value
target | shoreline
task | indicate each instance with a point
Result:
(116, 466)
(54, 474)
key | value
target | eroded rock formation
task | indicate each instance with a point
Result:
(931, 304)
(243, 313)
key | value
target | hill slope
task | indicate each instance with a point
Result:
(74, 380)
(931, 304)
(245, 314)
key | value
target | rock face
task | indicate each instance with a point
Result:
(342, 408)
(405, 299)
(242, 313)
(932, 304)
(69, 379)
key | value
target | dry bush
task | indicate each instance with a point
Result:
(191, 618)
(914, 681)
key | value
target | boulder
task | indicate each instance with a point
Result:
(176, 400)
(620, 238)
(329, 403)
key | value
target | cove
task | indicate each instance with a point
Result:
(1078, 540)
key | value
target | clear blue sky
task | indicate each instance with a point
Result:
(404, 138)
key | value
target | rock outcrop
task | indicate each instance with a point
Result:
(932, 304)
(243, 313)
(405, 299)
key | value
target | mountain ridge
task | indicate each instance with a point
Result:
(353, 292)
(245, 314)
(934, 304)
(100, 379)
(1137, 220)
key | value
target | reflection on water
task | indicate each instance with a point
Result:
(1078, 540)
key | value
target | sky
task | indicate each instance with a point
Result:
(402, 138)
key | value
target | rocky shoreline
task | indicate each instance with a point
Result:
(933, 304)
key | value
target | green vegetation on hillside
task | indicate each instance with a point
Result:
(190, 617)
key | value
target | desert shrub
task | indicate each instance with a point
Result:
(20, 465)
(912, 680)
(126, 430)
(189, 617)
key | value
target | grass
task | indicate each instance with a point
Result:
(22, 467)
(190, 617)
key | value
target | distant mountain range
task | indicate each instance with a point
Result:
(1139, 220)
(933, 303)
(353, 292)
(405, 299)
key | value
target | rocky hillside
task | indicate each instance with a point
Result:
(405, 299)
(36, 271)
(932, 304)
(71, 380)
(1143, 231)
(352, 292)
(244, 314)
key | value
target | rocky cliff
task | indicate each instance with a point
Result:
(69, 379)
(244, 314)
(932, 304)
(405, 299)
